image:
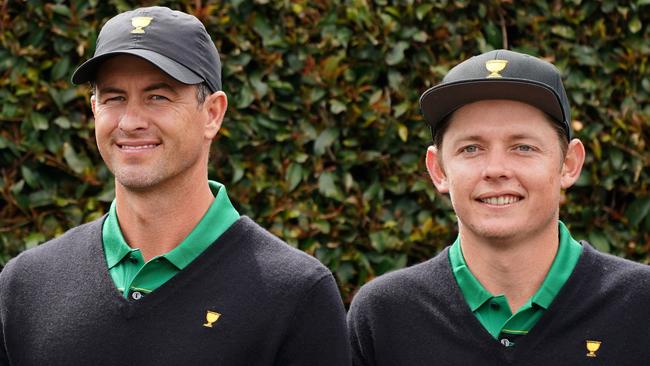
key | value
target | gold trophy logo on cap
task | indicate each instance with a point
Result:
(139, 23)
(495, 67)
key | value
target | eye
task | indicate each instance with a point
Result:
(113, 99)
(157, 97)
(469, 149)
(524, 148)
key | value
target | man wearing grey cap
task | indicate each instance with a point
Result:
(514, 288)
(172, 275)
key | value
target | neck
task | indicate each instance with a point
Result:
(515, 270)
(158, 219)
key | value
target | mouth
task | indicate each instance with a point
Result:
(137, 147)
(502, 200)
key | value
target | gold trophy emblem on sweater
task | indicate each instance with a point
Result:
(495, 67)
(592, 347)
(139, 23)
(211, 317)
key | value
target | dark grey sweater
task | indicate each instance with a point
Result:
(418, 316)
(278, 306)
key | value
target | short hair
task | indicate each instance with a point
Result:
(202, 92)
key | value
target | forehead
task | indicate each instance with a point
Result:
(488, 119)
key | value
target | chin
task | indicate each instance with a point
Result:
(495, 232)
(137, 181)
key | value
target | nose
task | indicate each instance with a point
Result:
(496, 166)
(133, 118)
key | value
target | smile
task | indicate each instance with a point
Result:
(137, 147)
(501, 200)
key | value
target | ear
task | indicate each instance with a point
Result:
(215, 106)
(436, 171)
(93, 100)
(572, 165)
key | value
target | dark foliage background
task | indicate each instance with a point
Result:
(323, 142)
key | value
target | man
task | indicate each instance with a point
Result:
(514, 288)
(172, 275)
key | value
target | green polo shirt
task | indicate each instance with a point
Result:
(494, 312)
(135, 278)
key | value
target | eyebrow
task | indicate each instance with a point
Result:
(152, 87)
(479, 138)
(161, 85)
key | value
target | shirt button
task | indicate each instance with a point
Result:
(136, 295)
(506, 342)
(133, 259)
(495, 305)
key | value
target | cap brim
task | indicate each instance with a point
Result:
(440, 101)
(88, 70)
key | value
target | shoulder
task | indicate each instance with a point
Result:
(430, 278)
(58, 251)
(272, 256)
(614, 272)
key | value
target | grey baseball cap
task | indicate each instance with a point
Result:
(499, 74)
(174, 41)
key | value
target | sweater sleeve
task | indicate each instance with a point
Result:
(317, 335)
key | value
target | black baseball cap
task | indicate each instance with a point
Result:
(499, 74)
(174, 41)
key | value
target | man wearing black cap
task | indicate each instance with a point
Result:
(514, 288)
(172, 275)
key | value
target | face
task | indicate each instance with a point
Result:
(150, 129)
(503, 167)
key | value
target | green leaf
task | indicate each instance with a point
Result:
(294, 176)
(325, 140)
(403, 132)
(74, 161)
(39, 121)
(337, 107)
(245, 97)
(396, 54)
(30, 178)
(638, 210)
(61, 68)
(327, 186)
(599, 241)
(422, 10)
(62, 122)
(61, 10)
(635, 25)
(563, 31)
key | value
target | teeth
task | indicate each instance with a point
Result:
(138, 147)
(501, 200)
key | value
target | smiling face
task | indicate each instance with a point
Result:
(150, 129)
(503, 167)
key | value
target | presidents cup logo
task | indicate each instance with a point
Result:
(592, 347)
(495, 67)
(211, 317)
(139, 23)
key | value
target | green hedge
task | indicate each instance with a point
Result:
(323, 143)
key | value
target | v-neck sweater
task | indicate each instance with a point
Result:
(418, 316)
(275, 305)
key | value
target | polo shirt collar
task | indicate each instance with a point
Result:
(476, 295)
(216, 220)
